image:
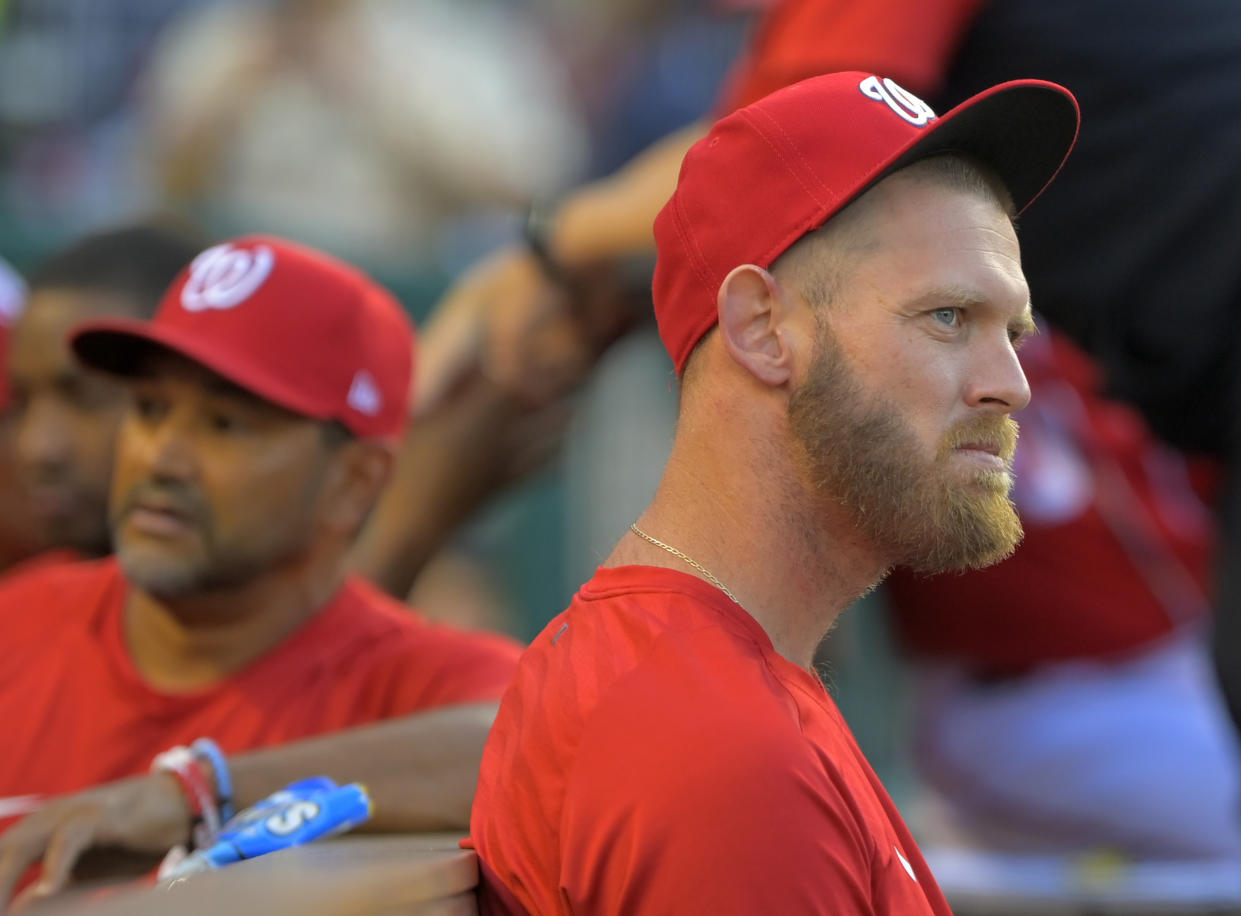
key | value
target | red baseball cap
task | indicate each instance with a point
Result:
(769, 173)
(290, 324)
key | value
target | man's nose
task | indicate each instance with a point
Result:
(998, 381)
(166, 448)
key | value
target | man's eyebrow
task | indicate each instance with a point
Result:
(1024, 324)
(67, 377)
(948, 295)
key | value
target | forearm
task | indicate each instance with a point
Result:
(449, 464)
(421, 771)
(612, 217)
(537, 335)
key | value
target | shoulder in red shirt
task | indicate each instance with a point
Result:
(655, 754)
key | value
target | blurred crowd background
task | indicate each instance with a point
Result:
(421, 127)
(406, 137)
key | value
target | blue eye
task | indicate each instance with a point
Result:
(948, 316)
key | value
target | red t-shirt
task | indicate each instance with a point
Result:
(74, 711)
(655, 754)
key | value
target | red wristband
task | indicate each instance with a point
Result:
(196, 788)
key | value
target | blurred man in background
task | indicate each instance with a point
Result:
(244, 471)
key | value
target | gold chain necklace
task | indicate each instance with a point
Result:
(688, 559)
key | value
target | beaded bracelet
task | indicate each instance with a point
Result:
(208, 750)
(191, 779)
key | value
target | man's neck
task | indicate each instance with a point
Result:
(792, 562)
(192, 642)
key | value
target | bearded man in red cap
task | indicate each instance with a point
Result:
(270, 391)
(839, 285)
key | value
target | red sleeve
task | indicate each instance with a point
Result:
(456, 666)
(388, 661)
(40, 595)
(707, 805)
(910, 41)
(472, 667)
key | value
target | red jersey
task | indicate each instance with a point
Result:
(75, 712)
(655, 754)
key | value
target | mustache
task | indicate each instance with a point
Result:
(998, 434)
(177, 498)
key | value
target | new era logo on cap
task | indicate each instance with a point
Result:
(224, 276)
(12, 295)
(364, 396)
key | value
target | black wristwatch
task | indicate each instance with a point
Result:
(536, 232)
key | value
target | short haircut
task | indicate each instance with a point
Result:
(138, 261)
(839, 238)
(964, 173)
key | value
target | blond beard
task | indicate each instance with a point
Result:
(858, 451)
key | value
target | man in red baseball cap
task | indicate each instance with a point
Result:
(269, 392)
(840, 288)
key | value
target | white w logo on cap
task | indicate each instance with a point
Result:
(224, 276)
(902, 101)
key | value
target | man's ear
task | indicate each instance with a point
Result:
(752, 308)
(357, 477)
